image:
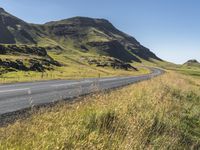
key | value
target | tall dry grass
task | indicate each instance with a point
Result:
(163, 113)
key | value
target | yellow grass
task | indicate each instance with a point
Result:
(162, 113)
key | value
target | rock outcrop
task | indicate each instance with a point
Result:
(111, 62)
(25, 58)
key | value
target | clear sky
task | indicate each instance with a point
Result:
(170, 28)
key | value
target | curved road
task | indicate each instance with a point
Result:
(14, 97)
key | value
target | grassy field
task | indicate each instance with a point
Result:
(193, 70)
(190, 71)
(162, 113)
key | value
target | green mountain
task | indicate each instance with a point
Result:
(80, 34)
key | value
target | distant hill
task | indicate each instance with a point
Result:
(85, 35)
(192, 62)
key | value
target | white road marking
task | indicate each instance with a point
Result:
(14, 90)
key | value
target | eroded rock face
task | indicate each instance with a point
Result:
(39, 65)
(34, 58)
(110, 62)
(13, 49)
(11, 64)
(114, 49)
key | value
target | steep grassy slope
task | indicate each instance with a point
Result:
(97, 36)
(14, 30)
(159, 114)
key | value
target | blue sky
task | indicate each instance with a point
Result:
(170, 28)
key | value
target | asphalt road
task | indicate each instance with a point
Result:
(14, 97)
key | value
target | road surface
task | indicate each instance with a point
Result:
(14, 97)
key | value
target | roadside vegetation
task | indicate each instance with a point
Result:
(191, 71)
(75, 72)
(162, 113)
